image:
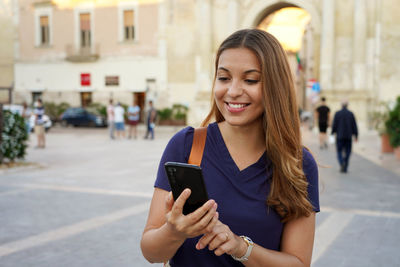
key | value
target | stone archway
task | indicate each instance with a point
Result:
(260, 9)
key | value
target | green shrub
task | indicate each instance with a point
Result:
(98, 109)
(54, 111)
(377, 118)
(179, 111)
(165, 114)
(14, 136)
(393, 124)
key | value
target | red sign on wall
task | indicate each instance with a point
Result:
(85, 79)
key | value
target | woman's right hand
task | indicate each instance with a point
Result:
(199, 222)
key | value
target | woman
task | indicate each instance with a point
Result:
(262, 184)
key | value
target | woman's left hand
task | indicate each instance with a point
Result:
(222, 240)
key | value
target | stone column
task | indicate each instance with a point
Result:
(327, 44)
(204, 43)
(359, 45)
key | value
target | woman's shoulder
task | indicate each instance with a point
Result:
(310, 166)
(308, 157)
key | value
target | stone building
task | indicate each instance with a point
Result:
(6, 51)
(82, 51)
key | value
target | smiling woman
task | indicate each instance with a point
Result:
(237, 88)
(262, 183)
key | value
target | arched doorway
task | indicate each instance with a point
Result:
(304, 54)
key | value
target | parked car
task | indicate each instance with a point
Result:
(82, 117)
(19, 108)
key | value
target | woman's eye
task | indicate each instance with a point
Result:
(250, 81)
(223, 79)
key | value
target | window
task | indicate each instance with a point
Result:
(84, 19)
(112, 80)
(129, 26)
(42, 21)
(44, 30)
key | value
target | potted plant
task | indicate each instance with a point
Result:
(393, 127)
(377, 120)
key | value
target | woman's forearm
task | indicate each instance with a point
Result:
(264, 257)
(160, 245)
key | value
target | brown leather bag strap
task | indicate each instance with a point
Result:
(199, 141)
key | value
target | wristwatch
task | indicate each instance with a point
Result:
(250, 246)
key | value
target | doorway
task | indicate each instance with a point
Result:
(140, 98)
(86, 99)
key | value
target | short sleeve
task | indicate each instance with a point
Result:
(177, 150)
(310, 169)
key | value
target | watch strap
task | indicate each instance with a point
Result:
(250, 246)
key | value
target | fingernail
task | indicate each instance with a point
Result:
(215, 206)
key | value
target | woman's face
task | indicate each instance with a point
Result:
(237, 87)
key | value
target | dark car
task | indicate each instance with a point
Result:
(82, 117)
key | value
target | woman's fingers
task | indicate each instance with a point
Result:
(177, 208)
(203, 215)
(206, 239)
(218, 240)
(207, 221)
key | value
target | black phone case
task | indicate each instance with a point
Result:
(181, 176)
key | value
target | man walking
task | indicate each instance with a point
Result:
(110, 119)
(39, 124)
(345, 126)
(151, 120)
(322, 114)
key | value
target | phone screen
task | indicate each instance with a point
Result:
(182, 176)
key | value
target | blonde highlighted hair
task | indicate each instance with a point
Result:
(288, 193)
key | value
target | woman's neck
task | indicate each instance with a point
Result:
(250, 137)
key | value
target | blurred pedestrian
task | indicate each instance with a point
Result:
(39, 124)
(26, 114)
(322, 116)
(151, 121)
(345, 127)
(133, 119)
(119, 120)
(110, 118)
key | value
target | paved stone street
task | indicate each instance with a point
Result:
(83, 201)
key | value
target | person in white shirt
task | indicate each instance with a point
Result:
(110, 119)
(119, 120)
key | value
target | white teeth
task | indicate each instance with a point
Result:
(236, 105)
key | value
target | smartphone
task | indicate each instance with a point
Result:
(182, 176)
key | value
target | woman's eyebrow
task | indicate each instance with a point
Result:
(222, 68)
(246, 72)
(252, 70)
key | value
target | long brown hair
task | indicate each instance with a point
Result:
(288, 194)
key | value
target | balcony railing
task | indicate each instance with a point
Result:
(83, 54)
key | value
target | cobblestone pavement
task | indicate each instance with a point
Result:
(84, 200)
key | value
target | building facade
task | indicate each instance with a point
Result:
(7, 32)
(82, 51)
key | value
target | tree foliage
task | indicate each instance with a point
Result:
(14, 136)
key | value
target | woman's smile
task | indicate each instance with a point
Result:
(236, 107)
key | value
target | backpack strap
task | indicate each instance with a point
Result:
(199, 141)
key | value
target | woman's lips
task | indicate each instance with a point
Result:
(236, 107)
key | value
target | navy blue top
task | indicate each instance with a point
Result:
(344, 124)
(241, 195)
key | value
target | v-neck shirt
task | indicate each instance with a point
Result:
(241, 195)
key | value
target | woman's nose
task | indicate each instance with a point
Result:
(235, 89)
